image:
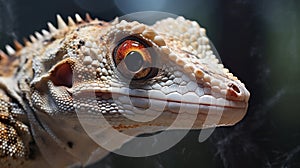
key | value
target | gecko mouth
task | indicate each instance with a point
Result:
(154, 99)
(153, 103)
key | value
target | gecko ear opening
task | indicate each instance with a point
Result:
(62, 75)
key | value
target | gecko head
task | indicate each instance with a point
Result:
(136, 75)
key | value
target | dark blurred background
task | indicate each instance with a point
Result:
(258, 40)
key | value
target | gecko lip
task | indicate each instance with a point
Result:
(142, 99)
(205, 111)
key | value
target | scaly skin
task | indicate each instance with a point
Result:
(79, 67)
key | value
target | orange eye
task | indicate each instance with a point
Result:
(134, 59)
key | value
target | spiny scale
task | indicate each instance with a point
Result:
(10, 50)
(78, 18)
(51, 28)
(71, 21)
(18, 45)
(61, 24)
(39, 36)
(32, 39)
(88, 17)
(3, 56)
(45, 32)
(27, 42)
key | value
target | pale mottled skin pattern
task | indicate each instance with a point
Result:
(38, 84)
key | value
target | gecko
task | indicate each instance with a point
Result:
(118, 69)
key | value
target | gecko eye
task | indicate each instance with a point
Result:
(134, 58)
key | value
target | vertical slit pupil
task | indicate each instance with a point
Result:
(134, 61)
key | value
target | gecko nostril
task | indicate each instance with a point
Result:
(234, 87)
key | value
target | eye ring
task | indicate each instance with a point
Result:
(134, 59)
